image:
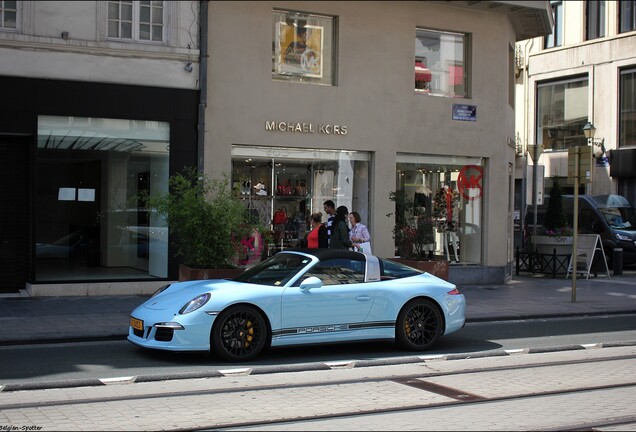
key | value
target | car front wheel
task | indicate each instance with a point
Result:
(239, 334)
(419, 325)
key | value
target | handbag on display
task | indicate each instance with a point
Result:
(280, 217)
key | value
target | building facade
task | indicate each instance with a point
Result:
(100, 104)
(300, 102)
(353, 101)
(583, 72)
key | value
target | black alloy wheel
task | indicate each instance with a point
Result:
(419, 325)
(239, 334)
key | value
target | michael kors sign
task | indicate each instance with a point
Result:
(327, 129)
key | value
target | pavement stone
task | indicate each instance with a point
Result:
(27, 319)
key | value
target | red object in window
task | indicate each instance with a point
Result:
(456, 75)
(422, 73)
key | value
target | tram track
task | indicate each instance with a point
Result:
(441, 389)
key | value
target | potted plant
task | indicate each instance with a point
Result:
(412, 233)
(209, 226)
(556, 232)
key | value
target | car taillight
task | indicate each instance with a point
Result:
(453, 292)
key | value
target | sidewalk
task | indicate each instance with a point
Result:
(54, 319)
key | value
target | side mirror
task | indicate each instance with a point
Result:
(597, 227)
(310, 282)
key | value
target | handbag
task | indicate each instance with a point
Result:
(280, 217)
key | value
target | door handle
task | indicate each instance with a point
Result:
(363, 297)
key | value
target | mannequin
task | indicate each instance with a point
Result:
(446, 212)
(422, 198)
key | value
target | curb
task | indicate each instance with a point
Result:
(303, 367)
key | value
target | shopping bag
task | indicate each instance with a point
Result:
(366, 247)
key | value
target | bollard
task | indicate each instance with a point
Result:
(617, 261)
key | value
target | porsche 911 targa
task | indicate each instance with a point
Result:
(300, 297)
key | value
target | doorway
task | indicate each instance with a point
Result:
(14, 217)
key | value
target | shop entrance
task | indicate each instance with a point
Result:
(14, 217)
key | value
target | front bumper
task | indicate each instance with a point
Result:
(165, 331)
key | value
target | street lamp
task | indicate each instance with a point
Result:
(535, 151)
(589, 130)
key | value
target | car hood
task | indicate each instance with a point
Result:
(178, 294)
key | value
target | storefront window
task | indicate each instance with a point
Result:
(282, 187)
(562, 113)
(440, 63)
(90, 172)
(302, 47)
(446, 192)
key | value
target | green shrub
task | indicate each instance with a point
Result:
(206, 221)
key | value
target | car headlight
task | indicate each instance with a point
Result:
(623, 237)
(160, 290)
(195, 303)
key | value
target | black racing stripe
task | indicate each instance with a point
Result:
(332, 328)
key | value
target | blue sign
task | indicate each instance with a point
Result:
(602, 161)
(464, 112)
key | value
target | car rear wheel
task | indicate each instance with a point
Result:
(419, 325)
(239, 334)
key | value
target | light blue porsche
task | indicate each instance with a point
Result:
(300, 297)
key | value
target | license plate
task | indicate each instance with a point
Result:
(137, 324)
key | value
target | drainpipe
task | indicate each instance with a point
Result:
(203, 81)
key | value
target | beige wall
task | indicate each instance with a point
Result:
(599, 59)
(373, 97)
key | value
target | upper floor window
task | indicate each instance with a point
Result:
(8, 15)
(562, 111)
(303, 47)
(627, 15)
(556, 38)
(627, 115)
(595, 13)
(440, 63)
(136, 20)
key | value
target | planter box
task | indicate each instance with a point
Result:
(546, 244)
(187, 273)
(436, 268)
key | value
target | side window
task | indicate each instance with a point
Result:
(338, 271)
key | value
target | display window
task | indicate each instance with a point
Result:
(441, 207)
(303, 47)
(440, 63)
(89, 222)
(282, 187)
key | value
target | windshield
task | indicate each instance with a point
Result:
(620, 217)
(275, 271)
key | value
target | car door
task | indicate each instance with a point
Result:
(343, 299)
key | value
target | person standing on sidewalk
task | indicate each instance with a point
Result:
(340, 230)
(330, 209)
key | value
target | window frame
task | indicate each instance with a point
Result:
(136, 22)
(3, 11)
(444, 74)
(626, 16)
(623, 140)
(555, 39)
(578, 139)
(320, 31)
(594, 19)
